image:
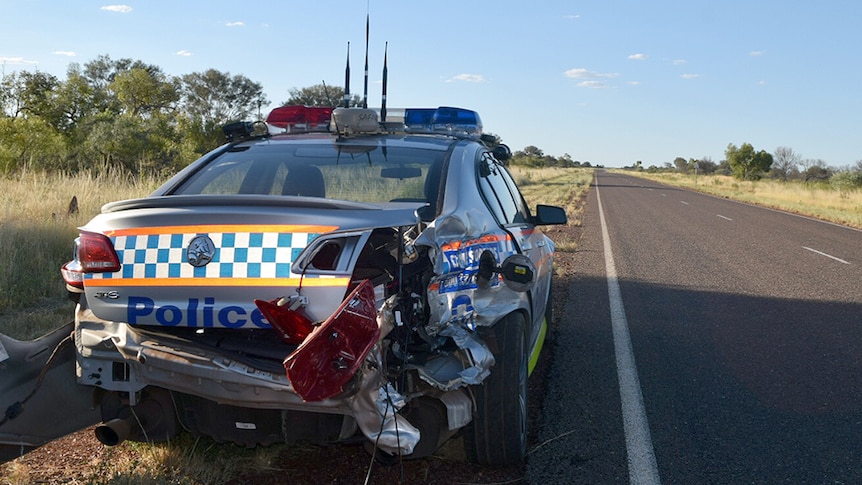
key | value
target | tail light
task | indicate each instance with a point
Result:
(94, 253)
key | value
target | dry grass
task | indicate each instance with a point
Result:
(816, 200)
(563, 187)
(36, 234)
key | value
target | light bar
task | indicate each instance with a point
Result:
(353, 121)
(300, 119)
(452, 121)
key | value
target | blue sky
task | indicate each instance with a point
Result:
(609, 82)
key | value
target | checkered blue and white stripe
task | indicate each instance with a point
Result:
(238, 255)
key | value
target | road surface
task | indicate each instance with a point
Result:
(712, 342)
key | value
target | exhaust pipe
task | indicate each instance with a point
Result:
(115, 431)
(153, 419)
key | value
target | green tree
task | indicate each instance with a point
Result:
(29, 143)
(144, 93)
(213, 98)
(745, 163)
(682, 165)
(320, 95)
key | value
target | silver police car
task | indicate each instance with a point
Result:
(328, 275)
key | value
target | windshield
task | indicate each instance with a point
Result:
(369, 174)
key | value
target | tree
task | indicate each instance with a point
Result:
(747, 164)
(706, 166)
(682, 165)
(320, 95)
(785, 162)
(213, 98)
(144, 93)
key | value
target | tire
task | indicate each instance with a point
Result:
(497, 435)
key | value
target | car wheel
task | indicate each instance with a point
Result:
(498, 433)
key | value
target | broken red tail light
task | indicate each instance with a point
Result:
(96, 254)
(330, 356)
(293, 325)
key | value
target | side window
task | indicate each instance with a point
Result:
(523, 214)
(497, 193)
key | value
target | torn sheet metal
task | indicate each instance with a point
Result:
(470, 365)
(376, 412)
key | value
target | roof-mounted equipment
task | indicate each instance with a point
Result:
(300, 119)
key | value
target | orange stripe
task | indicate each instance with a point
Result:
(489, 238)
(226, 228)
(205, 282)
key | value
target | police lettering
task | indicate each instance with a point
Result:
(143, 310)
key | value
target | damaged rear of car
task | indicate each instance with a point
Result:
(344, 279)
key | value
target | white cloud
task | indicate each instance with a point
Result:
(678, 62)
(756, 53)
(581, 73)
(572, 17)
(638, 57)
(184, 53)
(16, 61)
(65, 53)
(633, 83)
(690, 76)
(470, 78)
(117, 8)
(235, 24)
(592, 84)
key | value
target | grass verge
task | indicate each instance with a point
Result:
(821, 201)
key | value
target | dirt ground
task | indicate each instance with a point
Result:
(79, 458)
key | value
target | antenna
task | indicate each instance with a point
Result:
(326, 93)
(347, 79)
(365, 92)
(385, 79)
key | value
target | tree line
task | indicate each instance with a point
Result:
(128, 115)
(746, 163)
(117, 114)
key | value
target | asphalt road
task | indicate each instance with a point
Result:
(731, 352)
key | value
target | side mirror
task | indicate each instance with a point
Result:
(549, 215)
(502, 153)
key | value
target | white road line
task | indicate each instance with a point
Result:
(827, 255)
(664, 195)
(723, 217)
(643, 468)
(683, 202)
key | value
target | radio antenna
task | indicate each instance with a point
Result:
(347, 79)
(385, 78)
(365, 92)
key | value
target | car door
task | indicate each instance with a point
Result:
(507, 204)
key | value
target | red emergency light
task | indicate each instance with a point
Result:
(300, 118)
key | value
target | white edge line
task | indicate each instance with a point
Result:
(724, 217)
(643, 468)
(827, 255)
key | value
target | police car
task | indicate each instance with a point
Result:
(327, 275)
